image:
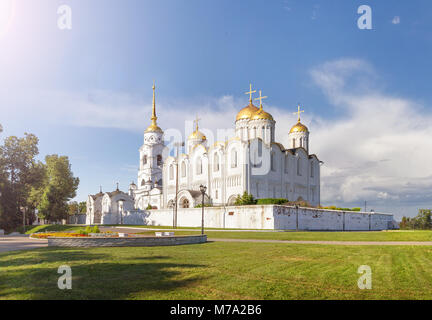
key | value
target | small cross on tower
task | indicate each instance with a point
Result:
(298, 112)
(250, 93)
(261, 98)
(196, 123)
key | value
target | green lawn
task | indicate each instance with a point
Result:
(219, 271)
(52, 227)
(324, 236)
(393, 235)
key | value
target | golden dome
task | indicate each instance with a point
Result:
(246, 112)
(153, 128)
(261, 114)
(198, 135)
(299, 127)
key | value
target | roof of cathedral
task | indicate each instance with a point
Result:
(247, 112)
(261, 115)
(197, 135)
(97, 195)
(299, 127)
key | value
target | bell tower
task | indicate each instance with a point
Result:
(151, 161)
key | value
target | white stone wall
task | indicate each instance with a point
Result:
(264, 217)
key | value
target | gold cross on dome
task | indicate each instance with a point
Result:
(250, 92)
(298, 112)
(196, 122)
(261, 98)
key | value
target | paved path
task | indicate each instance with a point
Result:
(20, 243)
(342, 243)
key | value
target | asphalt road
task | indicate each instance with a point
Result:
(20, 243)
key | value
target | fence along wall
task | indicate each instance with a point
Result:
(265, 217)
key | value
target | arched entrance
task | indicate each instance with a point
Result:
(97, 217)
(232, 200)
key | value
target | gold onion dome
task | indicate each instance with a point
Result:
(197, 135)
(299, 127)
(153, 127)
(246, 112)
(261, 115)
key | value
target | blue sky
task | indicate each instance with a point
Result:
(86, 92)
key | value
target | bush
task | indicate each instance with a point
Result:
(149, 207)
(272, 201)
(245, 199)
(205, 205)
(89, 229)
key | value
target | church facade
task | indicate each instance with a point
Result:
(251, 161)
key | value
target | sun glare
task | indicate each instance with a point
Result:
(6, 15)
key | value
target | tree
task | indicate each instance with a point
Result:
(17, 175)
(60, 187)
(82, 207)
(245, 199)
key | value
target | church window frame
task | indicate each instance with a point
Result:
(171, 172)
(159, 160)
(298, 166)
(234, 158)
(272, 161)
(199, 166)
(216, 162)
(183, 169)
(312, 173)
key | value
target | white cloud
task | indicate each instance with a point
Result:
(379, 149)
(381, 146)
(396, 20)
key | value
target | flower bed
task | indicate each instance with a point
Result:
(45, 235)
(108, 234)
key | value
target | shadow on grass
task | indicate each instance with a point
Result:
(94, 275)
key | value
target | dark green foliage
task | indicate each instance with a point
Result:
(272, 201)
(205, 205)
(423, 221)
(89, 229)
(245, 199)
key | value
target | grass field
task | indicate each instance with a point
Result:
(219, 271)
(394, 235)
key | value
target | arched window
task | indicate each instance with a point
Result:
(171, 172)
(216, 162)
(233, 158)
(312, 169)
(145, 159)
(142, 182)
(272, 162)
(286, 164)
(298, 167)
(293, 143)
(159, 160)
(199, 166)
(301, 142)
(216, 194)
(263, 132)
(185, 203)
(183, 169)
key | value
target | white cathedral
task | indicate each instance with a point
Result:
(251, 161)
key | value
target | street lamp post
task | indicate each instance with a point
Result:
(203, 191)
